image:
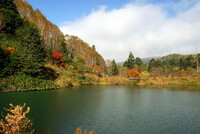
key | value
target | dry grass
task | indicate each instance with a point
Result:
(117, 80)
(172, 80)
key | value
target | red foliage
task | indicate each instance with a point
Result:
(92, 66)
(155, 75)
(133, 74)
(58, 59)
(98, 68)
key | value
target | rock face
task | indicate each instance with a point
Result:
(53, 37)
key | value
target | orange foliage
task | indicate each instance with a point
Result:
(30, 21)
(98, 68)
(16, 121)
(133, 74)
(79, 131)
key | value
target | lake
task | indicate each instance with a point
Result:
(111, 110)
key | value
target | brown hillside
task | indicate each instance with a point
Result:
(79, 49)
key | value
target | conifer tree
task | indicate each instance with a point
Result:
(11, 15)
(151, 65)
(115, 70)
(130, 62)
(8, 5)
(33, 54)
(138, 61)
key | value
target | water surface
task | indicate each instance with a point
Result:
(111, 110)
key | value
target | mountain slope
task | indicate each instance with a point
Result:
(53, 37)
(50, 33)
(78, 49)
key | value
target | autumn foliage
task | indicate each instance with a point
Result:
(98, 68)
(10, 50)
(16, 121)
(58, 59)
(79, 131)
(133, 74)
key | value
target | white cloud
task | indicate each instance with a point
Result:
(143, 29)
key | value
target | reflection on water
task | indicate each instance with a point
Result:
(111, 109)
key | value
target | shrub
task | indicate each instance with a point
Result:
(16, 121)
(58, 59)
(98, 69)
(133, 74)
(79, 131)
(145, 75)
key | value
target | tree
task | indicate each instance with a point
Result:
(32, 53)
(94, 47)
(109, 67)
(130, 62)
(138, 61)
(9, 5)
(12, 19)
(123, 71)
(151, 65)
(115, 70)
(63, 46)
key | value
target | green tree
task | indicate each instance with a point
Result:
(183, 64)
(151, 65)
(115, 70)
(130, 62)
(32, 54)
(138, 61)
(174, 62)
(94, 47)
(8, 5)
(12, 19)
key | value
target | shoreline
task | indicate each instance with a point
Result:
(148, 84)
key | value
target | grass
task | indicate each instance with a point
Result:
(170, 80)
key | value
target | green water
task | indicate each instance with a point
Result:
(111, 110)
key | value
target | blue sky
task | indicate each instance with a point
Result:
(59, 11)
(116, 27)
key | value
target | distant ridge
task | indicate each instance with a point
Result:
(162, 58)
(145, 60)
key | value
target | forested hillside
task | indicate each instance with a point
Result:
(174, 62)
(78, 49)
(53, 38)
(34, 54)
(50, 33)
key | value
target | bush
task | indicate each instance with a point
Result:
(79, 131)
(16, 121)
